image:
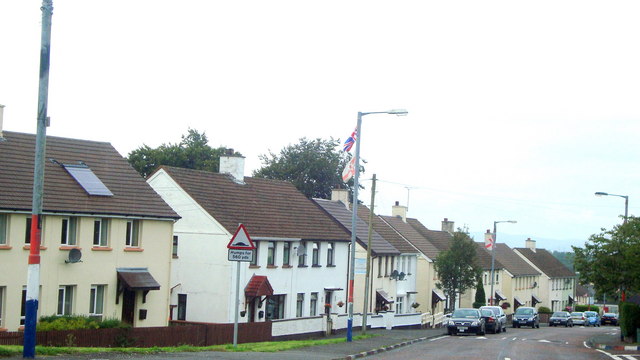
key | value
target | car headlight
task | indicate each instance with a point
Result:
(475, 323)
(530, 319)
(451, 322)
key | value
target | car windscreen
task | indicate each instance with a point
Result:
(576, 314)
(522, 311)
(472, 314)
(486, 312)
(559, 314)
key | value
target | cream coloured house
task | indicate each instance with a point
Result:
(106, 235)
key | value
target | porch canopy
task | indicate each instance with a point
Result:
(258, 286)
(535, 300)
(499, 296)
(381, 294)
(517, 302)
(136, 279)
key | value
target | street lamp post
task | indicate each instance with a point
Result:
(493, 253)
(626, 214)
(354, 215)
(626, 202)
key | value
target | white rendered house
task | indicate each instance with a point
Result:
(301, 263)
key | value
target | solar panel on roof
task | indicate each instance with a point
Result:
(87, 179)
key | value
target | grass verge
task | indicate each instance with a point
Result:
(268, 346)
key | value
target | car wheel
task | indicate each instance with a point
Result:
(538, 326)
(482, 331)
(504, 328)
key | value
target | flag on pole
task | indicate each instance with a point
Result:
(348, 144)
(488, 241)
(349, 170)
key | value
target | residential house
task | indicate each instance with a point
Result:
(519, 281)
(383, 254)
(106, 235)
(301, 258)
(557, 282)
(585, 295)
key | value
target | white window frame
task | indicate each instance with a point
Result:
(331, 254)
(132, 236)
(399, 304)
(313, 304)
(96, 301)
(300, 305)
(271, 253)
(102, 232)
(4, 229)
(23, 306)
(65, 300)
(69, 231)
(2, 296)
(315, 254)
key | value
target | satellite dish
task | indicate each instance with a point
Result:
(74, 256)
(394, 274)
(401, 276)
(301, 251)
(534, 284)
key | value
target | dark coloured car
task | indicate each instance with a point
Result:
(466, 321)
(609, 318)
(500, 319)
(561, 318)
(526, 316)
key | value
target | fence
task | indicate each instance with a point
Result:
(182, 333)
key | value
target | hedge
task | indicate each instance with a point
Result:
(587, 308)
(629, 319)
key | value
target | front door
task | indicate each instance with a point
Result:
(128, 306)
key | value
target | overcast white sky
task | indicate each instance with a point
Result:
(517, 110)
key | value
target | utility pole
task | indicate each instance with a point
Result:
(33, 272)
(365, 311)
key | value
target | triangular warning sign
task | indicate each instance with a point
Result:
(241, 240)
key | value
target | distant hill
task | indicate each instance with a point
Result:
(565, 257)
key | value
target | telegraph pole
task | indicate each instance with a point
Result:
(33, 274)
(365, 310)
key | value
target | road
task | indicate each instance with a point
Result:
(516, 344)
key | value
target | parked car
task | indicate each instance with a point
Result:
(465, 320)
(526, 316)
(593, 319)
(500, 319)
(561, 318)
(609, 318)
(578, 318)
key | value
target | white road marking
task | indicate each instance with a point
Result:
(438, 338)
(609, 355)
(585, 345)
(544, 341)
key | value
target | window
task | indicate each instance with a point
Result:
(299, 304)
(65, 300)
(256, 252)
(497, 278)
(393, 258)
(330, 256)
(3, 230)
(286, 253)
(23, 310)
(182, 306)
(275, 307)
(399, 304)
(69, 231)
(100, 232)
(313, 302)
(485, 279)
(386, 266)
(174, 252)
(315, 255)
(380, 267)
(302, 254)
(27, 231)
(96, 301)
(402, 265)
(1, 305)
(271, 253)
(133, 233)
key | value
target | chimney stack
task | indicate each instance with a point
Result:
(232, 164)
(399, 211)
(447, 225)
(340, 195)
(530, 244)
(1, 117)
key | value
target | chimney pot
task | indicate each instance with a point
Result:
(447, 225)
(399, 211)
(234, 165)
(340, 195)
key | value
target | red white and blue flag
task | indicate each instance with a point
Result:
(349, 170)
(348, 144)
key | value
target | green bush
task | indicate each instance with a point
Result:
(75, 322)
(544, 310)
(587, 308)
(629, 319)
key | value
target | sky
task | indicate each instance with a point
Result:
(518, 110)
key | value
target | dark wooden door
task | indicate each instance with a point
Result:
(128, 306)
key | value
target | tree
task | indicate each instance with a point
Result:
(609, 260)
(481, 299)
(565, 257)
(457, 267)
(193, 152)
(313, 166)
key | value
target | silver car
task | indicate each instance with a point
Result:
(500, 319)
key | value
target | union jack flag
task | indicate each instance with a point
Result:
(348, 144)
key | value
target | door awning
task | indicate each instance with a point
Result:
(535, 300)
(499, 296)
(517, 301)
(570, 299)
(258, 286)
(135, 279)
(437, 296)
(384, 296)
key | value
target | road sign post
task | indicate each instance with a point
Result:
(241, 248)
